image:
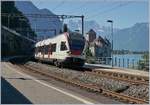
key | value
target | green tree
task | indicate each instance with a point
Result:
(8, 7)
(143, 64)
(15, 45)
(88, 55)
(88, 52)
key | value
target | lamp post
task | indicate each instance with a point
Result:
(110, 21)
(82, 17)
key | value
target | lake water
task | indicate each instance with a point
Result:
(126, 60)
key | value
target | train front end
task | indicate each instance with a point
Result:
(76, 42)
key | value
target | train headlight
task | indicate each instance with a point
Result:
(69, 52)
(82, 54)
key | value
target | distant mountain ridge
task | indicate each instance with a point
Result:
(92, 24)
(134, 38)
(27, 7)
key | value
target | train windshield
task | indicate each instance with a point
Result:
(76, 42)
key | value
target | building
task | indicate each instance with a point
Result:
(100, 47)
(91, 35)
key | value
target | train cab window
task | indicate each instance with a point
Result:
(53, 47)
(63, 46)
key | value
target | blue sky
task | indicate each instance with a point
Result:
(124, 13)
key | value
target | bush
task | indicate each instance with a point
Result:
(90, 60)
(143, 64)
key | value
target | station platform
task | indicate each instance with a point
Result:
(20, 88)
(117, 69)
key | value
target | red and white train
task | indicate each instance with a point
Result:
(64, 49)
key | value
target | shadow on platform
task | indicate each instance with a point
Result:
(10, 95)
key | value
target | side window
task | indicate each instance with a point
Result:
(53, 47)
(63, 46)
(42, 49)
(46, 49)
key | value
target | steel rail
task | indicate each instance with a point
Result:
(118, 78)
(91, 87)
(130, 77)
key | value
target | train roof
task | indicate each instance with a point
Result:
(46, 41)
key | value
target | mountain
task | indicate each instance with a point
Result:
(92, 24)
(47, 26)
(74, 25)
(135, 38)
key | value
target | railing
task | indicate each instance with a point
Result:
(103, 60)
(121, 62)
(126, 63)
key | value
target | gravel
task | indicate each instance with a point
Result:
(139, 91)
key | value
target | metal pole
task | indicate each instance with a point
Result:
(62, 17)
(133, 63)
(119, 62)
(115, 61)
(127, 63)
(110, 21)
(112, 40)
(82, 25)
(55, 31)
(123, 62)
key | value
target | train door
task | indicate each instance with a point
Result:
(50, 50)
(63, 49)
(43, 51)
(53, 50)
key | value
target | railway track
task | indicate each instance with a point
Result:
(91, 87)
(132, 79)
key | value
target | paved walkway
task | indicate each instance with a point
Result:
(19, 88)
